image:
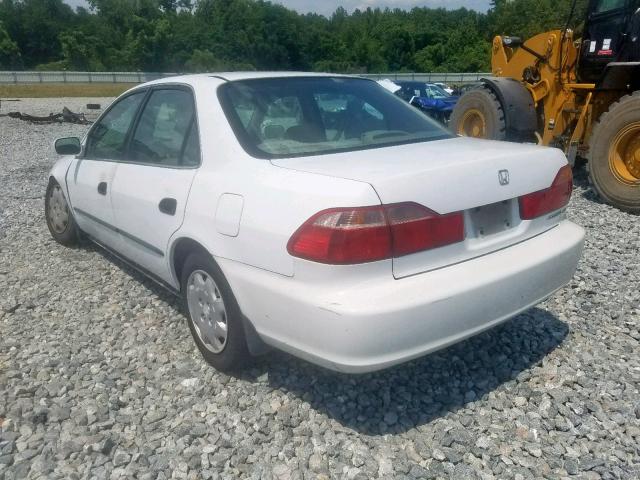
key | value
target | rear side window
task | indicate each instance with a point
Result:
(288, 117)
(191, 152)
(107, 139)
(166, 130)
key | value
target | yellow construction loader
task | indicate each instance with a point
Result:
(582, 96)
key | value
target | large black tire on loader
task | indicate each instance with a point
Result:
(614, 154)
(479, 114)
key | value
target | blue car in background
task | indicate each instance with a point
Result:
(428, 97)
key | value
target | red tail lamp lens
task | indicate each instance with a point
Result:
(365, 234)
(343, 236)
(536, 204)
(415, 228)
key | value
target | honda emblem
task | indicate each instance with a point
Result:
(503, 176)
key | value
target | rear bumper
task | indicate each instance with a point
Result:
(373, 324)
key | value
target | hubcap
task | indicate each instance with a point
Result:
(207, 311)
(624, 155)
(58, 210)
(473, 124)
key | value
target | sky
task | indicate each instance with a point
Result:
(327, 7)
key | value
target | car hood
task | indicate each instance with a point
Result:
(444, 175)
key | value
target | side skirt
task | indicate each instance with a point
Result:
(137, 267)
(255, 344)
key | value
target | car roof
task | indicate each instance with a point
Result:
(412, 83)
(235, 76)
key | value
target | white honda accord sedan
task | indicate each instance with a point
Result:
(318, 214)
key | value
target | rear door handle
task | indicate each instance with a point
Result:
(102, 188)
(168, 206)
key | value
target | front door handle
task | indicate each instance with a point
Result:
(168, 206)
(102, 188)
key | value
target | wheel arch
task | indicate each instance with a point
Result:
(181, 248)
(520, 116)
(59, 173)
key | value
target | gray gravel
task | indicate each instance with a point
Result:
(99, 377)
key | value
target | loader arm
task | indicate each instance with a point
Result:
(554, 89)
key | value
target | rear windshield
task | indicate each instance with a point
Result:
(290, 117)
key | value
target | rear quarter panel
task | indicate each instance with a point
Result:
(275, 200)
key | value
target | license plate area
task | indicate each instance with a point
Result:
(491, 219)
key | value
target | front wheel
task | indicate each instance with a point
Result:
(62, 225)
(213, 314)
(614, 154)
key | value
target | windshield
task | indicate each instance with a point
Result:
(288, 117)
(409, 90)
(437, 91)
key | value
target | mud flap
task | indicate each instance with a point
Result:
(520, 114)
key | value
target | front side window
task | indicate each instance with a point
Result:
(407, 93)
(288, 117)
(107, 139)
(163, 130)
(607, 5)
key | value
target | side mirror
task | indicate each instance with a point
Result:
(68, 146)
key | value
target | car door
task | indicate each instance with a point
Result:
(152, 184)
(90, 176)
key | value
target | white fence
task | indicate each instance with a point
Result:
(453, 78)
(80, 77)
(139, 77)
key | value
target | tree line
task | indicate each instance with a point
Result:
(209, 35)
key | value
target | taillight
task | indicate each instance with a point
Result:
(415, 228)
(538, 203)
(366, 234)
(343, 236)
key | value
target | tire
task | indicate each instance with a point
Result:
(479, 114)
(614, 136)
(60, 221)
(203, 301)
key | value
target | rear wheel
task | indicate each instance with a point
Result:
(214, 317)
(614, 154)
(479, 114)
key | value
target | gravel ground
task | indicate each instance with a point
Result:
(99, 377)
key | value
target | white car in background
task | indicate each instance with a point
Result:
(445, 87)
(318, 214)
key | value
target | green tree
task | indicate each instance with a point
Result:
(79, 52)
(197, 35)
(527, 18)
(10, 57)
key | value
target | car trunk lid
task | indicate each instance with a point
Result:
(483, 179)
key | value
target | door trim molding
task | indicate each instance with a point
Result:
(133, 238)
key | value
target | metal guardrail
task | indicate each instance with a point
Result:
(139, 77)
(80, 77)
(454, 78)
